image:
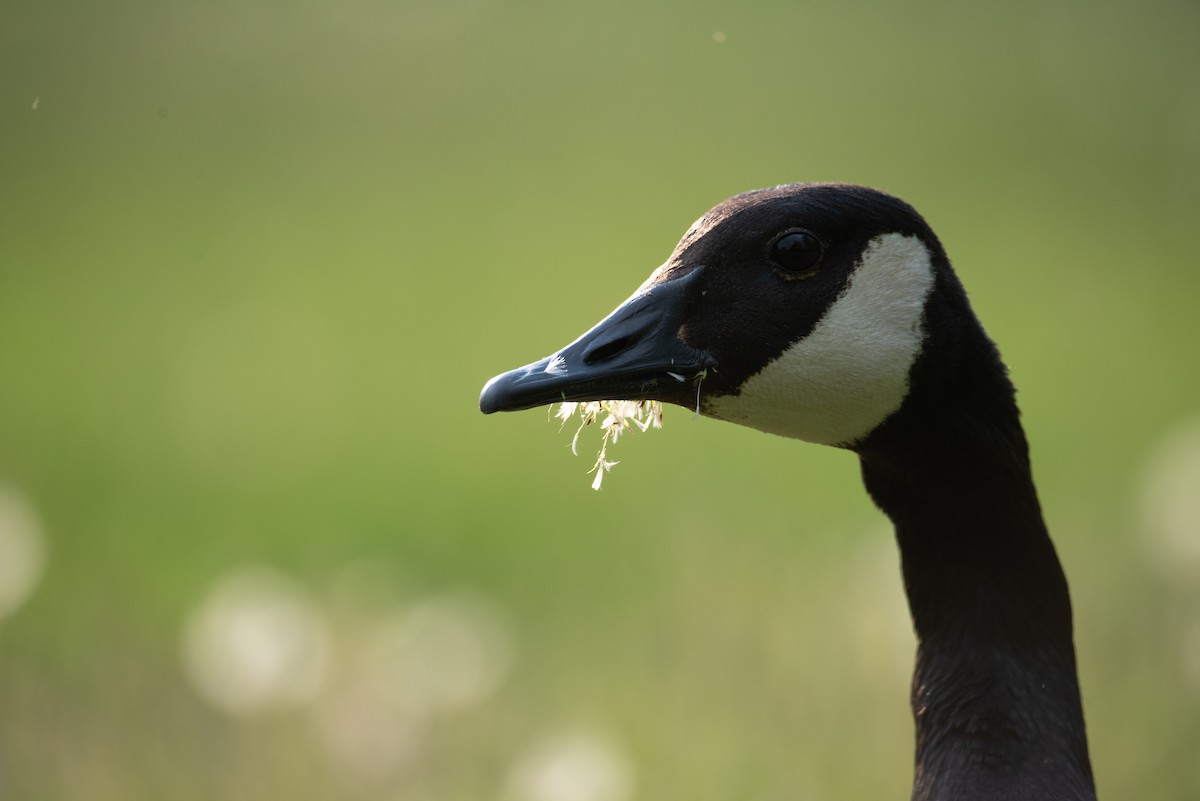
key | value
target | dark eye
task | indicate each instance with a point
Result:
(797, 253)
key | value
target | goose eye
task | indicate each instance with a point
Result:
(797, 252)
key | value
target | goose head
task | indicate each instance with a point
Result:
(830, 313)
(798, 310)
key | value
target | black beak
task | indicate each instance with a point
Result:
(632, 354)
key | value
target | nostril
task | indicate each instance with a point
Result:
(607, 350)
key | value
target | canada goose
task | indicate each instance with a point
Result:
(830, 313)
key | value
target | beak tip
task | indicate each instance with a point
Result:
(490, 398)
(513, 390)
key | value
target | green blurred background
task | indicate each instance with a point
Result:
(257, 259)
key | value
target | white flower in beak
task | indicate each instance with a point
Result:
(621, 416)
(566, 410)
(601, 467)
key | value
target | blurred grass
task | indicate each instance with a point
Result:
(257, 259)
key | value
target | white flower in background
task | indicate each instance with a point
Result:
(1170, 502)
(401, 667)
(447, 652)
(620, 416)
(257, 641)
(22, 551)
(571, 766)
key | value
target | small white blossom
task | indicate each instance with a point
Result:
(620, 416)
(600, 469)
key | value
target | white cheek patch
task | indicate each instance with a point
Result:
(841, 381)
